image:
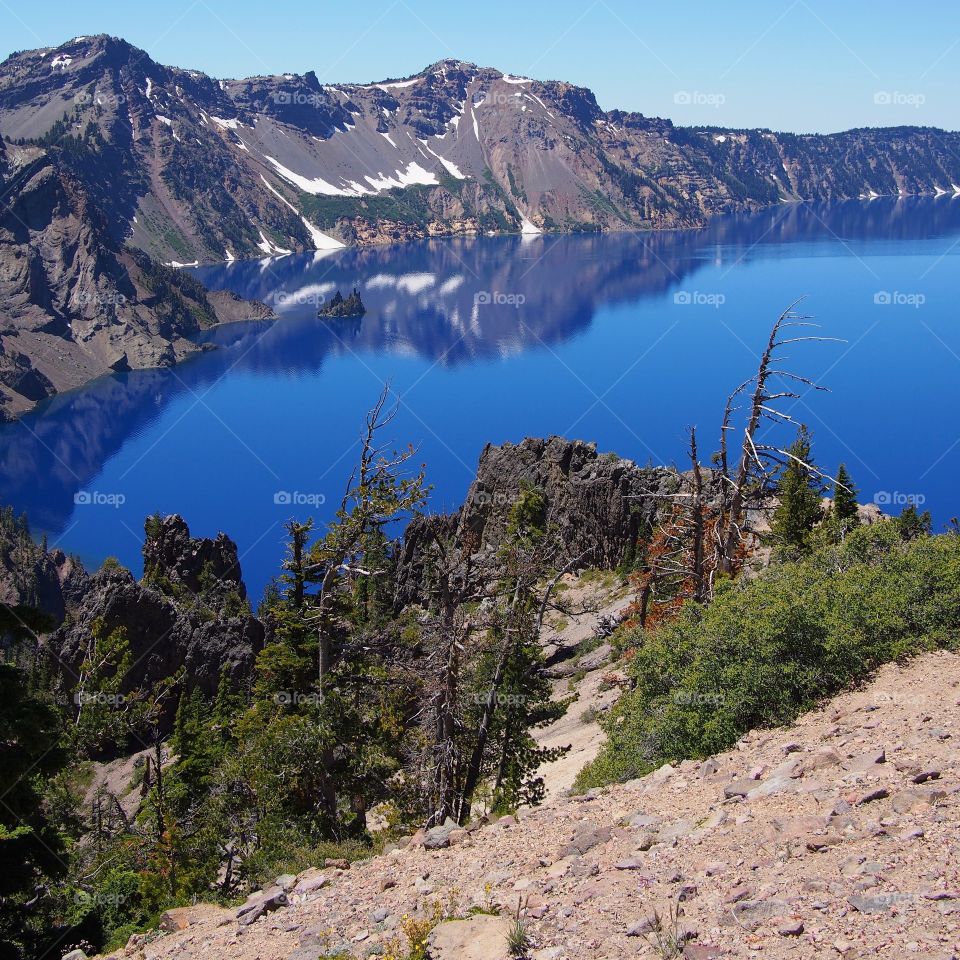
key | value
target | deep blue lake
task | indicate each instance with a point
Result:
(622, 339)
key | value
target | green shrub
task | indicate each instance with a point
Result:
(768, 648)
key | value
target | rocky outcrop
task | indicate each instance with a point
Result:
(188, 613)
(74, 303)
(47, 581)
(172, 556)
(599, 504)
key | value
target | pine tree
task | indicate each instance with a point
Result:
(799, 492)
(844, 515)
(844, 496)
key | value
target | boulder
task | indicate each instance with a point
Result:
(585, 840)
(739, 788)
(310, 881)
(482, 937)
(261, 903)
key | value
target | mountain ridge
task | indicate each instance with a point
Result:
(290, 164)
(112, 164)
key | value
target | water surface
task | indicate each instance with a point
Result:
(625, 339)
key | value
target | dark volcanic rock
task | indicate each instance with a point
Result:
(198, 565)
(164, 634)
(188, 613)
(599, 503)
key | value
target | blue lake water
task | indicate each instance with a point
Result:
(622, 339)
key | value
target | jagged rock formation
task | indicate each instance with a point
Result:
(188, 612)
(599, 503)
(172, 556)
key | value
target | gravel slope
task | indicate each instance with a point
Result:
(835, 850)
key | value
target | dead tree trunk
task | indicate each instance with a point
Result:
(753, 469)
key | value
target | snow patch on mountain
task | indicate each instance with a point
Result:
(278, 194)
(414, 174)
(321, 241)
(528, 228)
(317, 186)
(449, 165)
(271, 249)
(225, 124)
(398, 84)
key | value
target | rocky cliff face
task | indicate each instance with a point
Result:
(211, 170)
(599, 504)
(188, 613)
(76, 304)
(47, 581)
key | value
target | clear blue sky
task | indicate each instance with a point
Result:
(803, 65)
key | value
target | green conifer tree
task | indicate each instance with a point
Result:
(799, 492)
(844, 495)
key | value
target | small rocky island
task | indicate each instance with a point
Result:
(339, 306)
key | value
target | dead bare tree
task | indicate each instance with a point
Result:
(676, 553)
(751, 481)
